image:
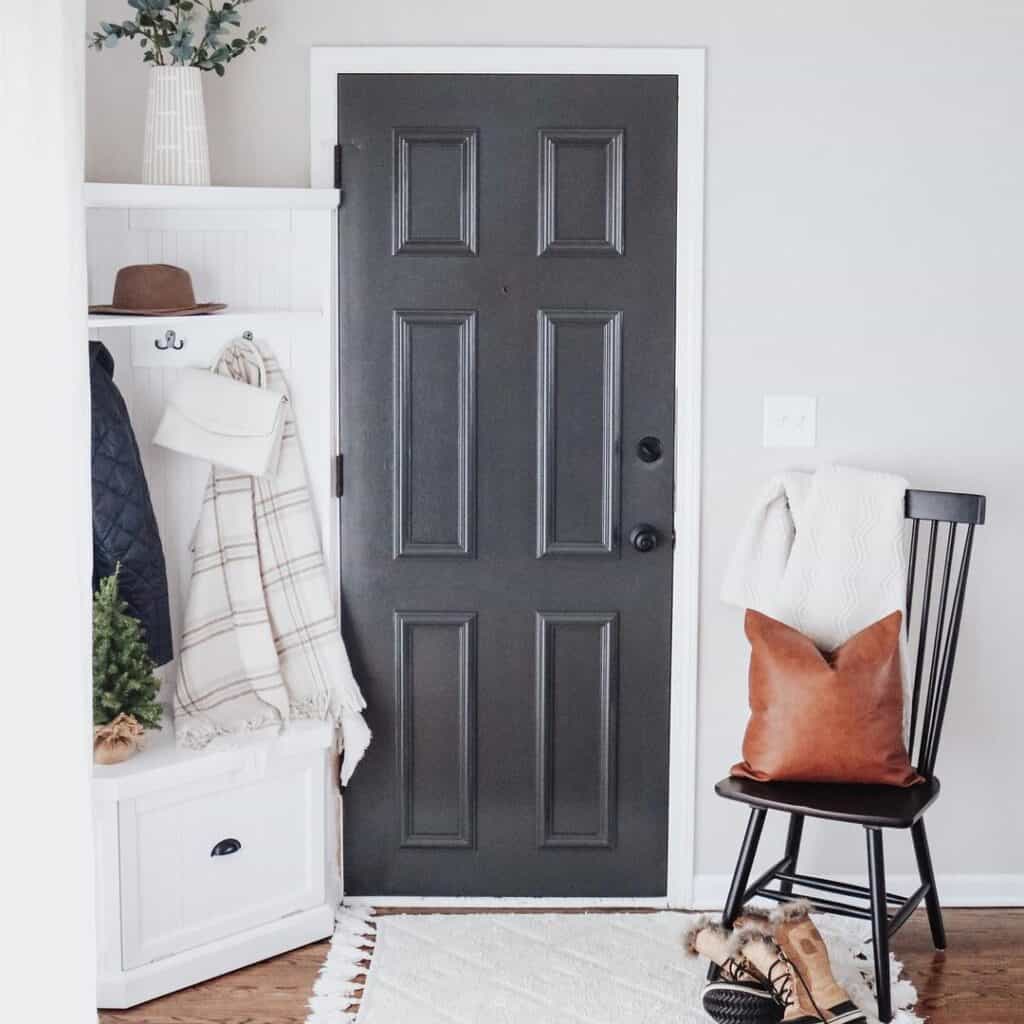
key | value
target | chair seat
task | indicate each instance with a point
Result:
(875, 806)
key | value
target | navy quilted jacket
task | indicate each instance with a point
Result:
(123, 524)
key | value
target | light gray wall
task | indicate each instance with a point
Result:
(864, 218)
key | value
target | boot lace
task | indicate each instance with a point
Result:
(780, 981)
(739, 969)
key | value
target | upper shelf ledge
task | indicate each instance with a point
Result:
(231, 317)
(212, 197)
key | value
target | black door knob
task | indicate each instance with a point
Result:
(644, 537)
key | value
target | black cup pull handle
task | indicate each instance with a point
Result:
(224, 847)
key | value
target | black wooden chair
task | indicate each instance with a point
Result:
(936, 626)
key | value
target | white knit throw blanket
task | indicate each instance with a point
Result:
(824, 552)
(261, 642)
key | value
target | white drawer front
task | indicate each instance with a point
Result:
(175, 895)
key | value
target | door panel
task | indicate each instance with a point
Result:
(577, 689)
(435, 433)
(435, 191)
(507, 275)
(435, 669)
(578, 432)
(580, 193)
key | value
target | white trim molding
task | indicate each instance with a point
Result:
(96, 194)
(710, 891)
(687, 65)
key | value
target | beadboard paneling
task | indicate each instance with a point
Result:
(250, 259)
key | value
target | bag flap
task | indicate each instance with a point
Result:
(224, 406)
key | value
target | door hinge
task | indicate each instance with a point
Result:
(339, 475)
(338, 178)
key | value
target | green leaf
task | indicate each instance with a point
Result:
(164, 30)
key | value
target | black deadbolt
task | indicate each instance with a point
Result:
(648, 449)
(644, 537)
(224, 847)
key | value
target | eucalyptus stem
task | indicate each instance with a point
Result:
(166, 32)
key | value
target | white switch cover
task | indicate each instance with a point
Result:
(790, 421)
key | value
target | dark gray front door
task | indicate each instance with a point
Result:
(507, 251)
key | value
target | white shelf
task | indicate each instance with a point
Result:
(212, 197)
(162, 763)
(230, 317)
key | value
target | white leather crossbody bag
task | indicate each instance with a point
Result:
(225, 421)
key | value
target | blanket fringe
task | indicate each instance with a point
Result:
(311, 707)
(196, 732)
(351, 949)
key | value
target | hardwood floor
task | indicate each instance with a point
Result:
(979, 980)
(273, 992)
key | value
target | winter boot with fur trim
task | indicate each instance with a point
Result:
(801, 942)
(765, 957)
(740, 995)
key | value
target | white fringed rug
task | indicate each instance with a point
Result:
(545, 969)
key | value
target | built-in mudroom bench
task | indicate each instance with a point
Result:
(212, 859)
(209, 861)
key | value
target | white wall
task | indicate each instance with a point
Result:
(864, 212)
(49, 955)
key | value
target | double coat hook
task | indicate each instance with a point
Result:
(170, 340)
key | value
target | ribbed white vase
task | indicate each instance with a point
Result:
(176, 150)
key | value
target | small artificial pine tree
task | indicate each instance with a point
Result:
(122, 670)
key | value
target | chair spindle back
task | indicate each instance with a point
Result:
(939, 610)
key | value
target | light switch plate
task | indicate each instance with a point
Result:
(790, 421)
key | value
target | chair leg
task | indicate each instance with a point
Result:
(741, 876)
(924, 867)
(793, 837)
(879, 923)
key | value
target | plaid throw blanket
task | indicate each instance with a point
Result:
(261, 642)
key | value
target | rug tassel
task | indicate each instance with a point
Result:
(344, 963)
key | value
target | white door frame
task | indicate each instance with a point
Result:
(326, 63)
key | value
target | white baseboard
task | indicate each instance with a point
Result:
(139, 985)
(710, 891)
(509, 902)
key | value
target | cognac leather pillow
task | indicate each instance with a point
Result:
(817, 717)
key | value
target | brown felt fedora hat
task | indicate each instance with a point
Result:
(155, 289)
